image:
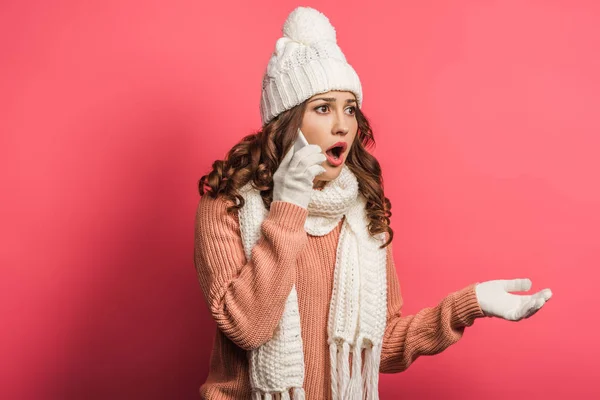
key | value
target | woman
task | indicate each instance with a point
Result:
(294, 245)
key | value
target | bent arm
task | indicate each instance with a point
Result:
(247, 298)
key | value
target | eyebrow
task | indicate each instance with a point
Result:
(331, 100)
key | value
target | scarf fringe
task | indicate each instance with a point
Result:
(344, 371)
(371, 374)
(355, 390)
(298, 394)
(335, 388)
(363, 383)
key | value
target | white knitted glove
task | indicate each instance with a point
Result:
(293, 180)
(495, 301)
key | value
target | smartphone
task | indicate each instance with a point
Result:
(300, 142)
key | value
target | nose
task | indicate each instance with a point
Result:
(341, 127)
(342, 132)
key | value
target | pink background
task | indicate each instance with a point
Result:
(486, 117)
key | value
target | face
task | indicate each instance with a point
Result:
(330, 122)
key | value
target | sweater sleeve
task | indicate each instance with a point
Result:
(428, 332)
(247, 298)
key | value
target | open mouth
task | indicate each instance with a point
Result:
(336, 150)
(335, 154)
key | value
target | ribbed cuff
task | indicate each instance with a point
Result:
(466, 307)
(288, 215)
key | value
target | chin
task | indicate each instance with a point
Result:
(330, 174)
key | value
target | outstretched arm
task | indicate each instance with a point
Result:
(428, 332)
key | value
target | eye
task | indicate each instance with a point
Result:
(352, 108)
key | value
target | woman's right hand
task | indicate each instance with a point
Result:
(293, 180)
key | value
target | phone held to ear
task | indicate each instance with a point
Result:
(300, 142)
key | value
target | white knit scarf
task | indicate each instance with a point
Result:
(357, 311)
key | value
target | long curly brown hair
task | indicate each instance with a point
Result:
(257, 156)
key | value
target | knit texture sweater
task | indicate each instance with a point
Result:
(246, 299)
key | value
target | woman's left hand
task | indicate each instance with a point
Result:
(496, 301)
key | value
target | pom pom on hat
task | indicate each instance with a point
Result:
(307, 25)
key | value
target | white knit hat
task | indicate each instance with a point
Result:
(306, 61)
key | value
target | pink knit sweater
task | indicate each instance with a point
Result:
(246, 299)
